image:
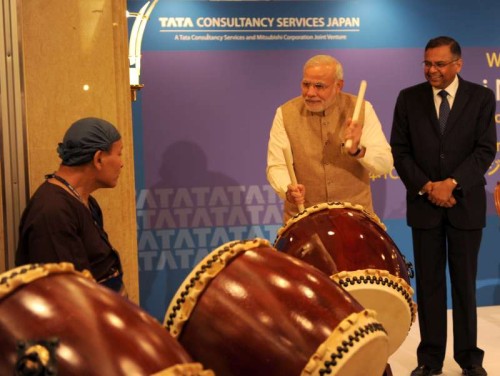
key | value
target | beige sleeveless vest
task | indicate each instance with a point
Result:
(327, 173)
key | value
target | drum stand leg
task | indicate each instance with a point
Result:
(388, 371)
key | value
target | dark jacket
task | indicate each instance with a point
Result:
(464, 152)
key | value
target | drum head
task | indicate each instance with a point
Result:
(353, 348)
(387, 295)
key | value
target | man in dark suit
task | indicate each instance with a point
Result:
(443, 143)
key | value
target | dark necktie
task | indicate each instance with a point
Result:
(444, 110)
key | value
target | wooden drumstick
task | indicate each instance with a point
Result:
(357, 109)
(289, 165)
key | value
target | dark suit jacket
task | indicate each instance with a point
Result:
(465, 152)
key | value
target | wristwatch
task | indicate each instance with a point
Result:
(457, 186)
(356, 153)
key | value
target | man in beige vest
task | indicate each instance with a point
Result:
(314, 127)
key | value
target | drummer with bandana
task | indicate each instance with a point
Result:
(62, 221)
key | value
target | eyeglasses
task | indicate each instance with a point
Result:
(318, 86)
(439, 65)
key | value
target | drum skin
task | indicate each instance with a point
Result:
(261, 312)
(351, 245)
(96, 331)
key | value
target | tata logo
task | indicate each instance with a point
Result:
(176, 22)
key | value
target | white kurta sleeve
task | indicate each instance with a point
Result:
(378, 157)
(277, 172)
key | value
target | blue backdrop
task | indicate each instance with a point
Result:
(214, 74)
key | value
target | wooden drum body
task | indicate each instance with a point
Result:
(249, 310)
(55, 320)
(352, 246)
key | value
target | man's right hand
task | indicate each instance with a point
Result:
(296, 194)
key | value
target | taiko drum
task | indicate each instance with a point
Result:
(57, 321)
(352, 246)
(249, 310)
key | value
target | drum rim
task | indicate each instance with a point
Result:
(188, 293)
(13, 279)
(378, 276)
(356, 328)
(496, 196)
(328, 205)
(185, 369)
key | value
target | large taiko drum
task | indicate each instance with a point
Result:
(249, 310)
(57, 321)
(352, 246)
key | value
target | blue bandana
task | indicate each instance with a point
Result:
(84, 138)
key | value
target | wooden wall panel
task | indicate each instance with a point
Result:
(67, 45)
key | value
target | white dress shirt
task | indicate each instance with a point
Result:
(452, 92)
